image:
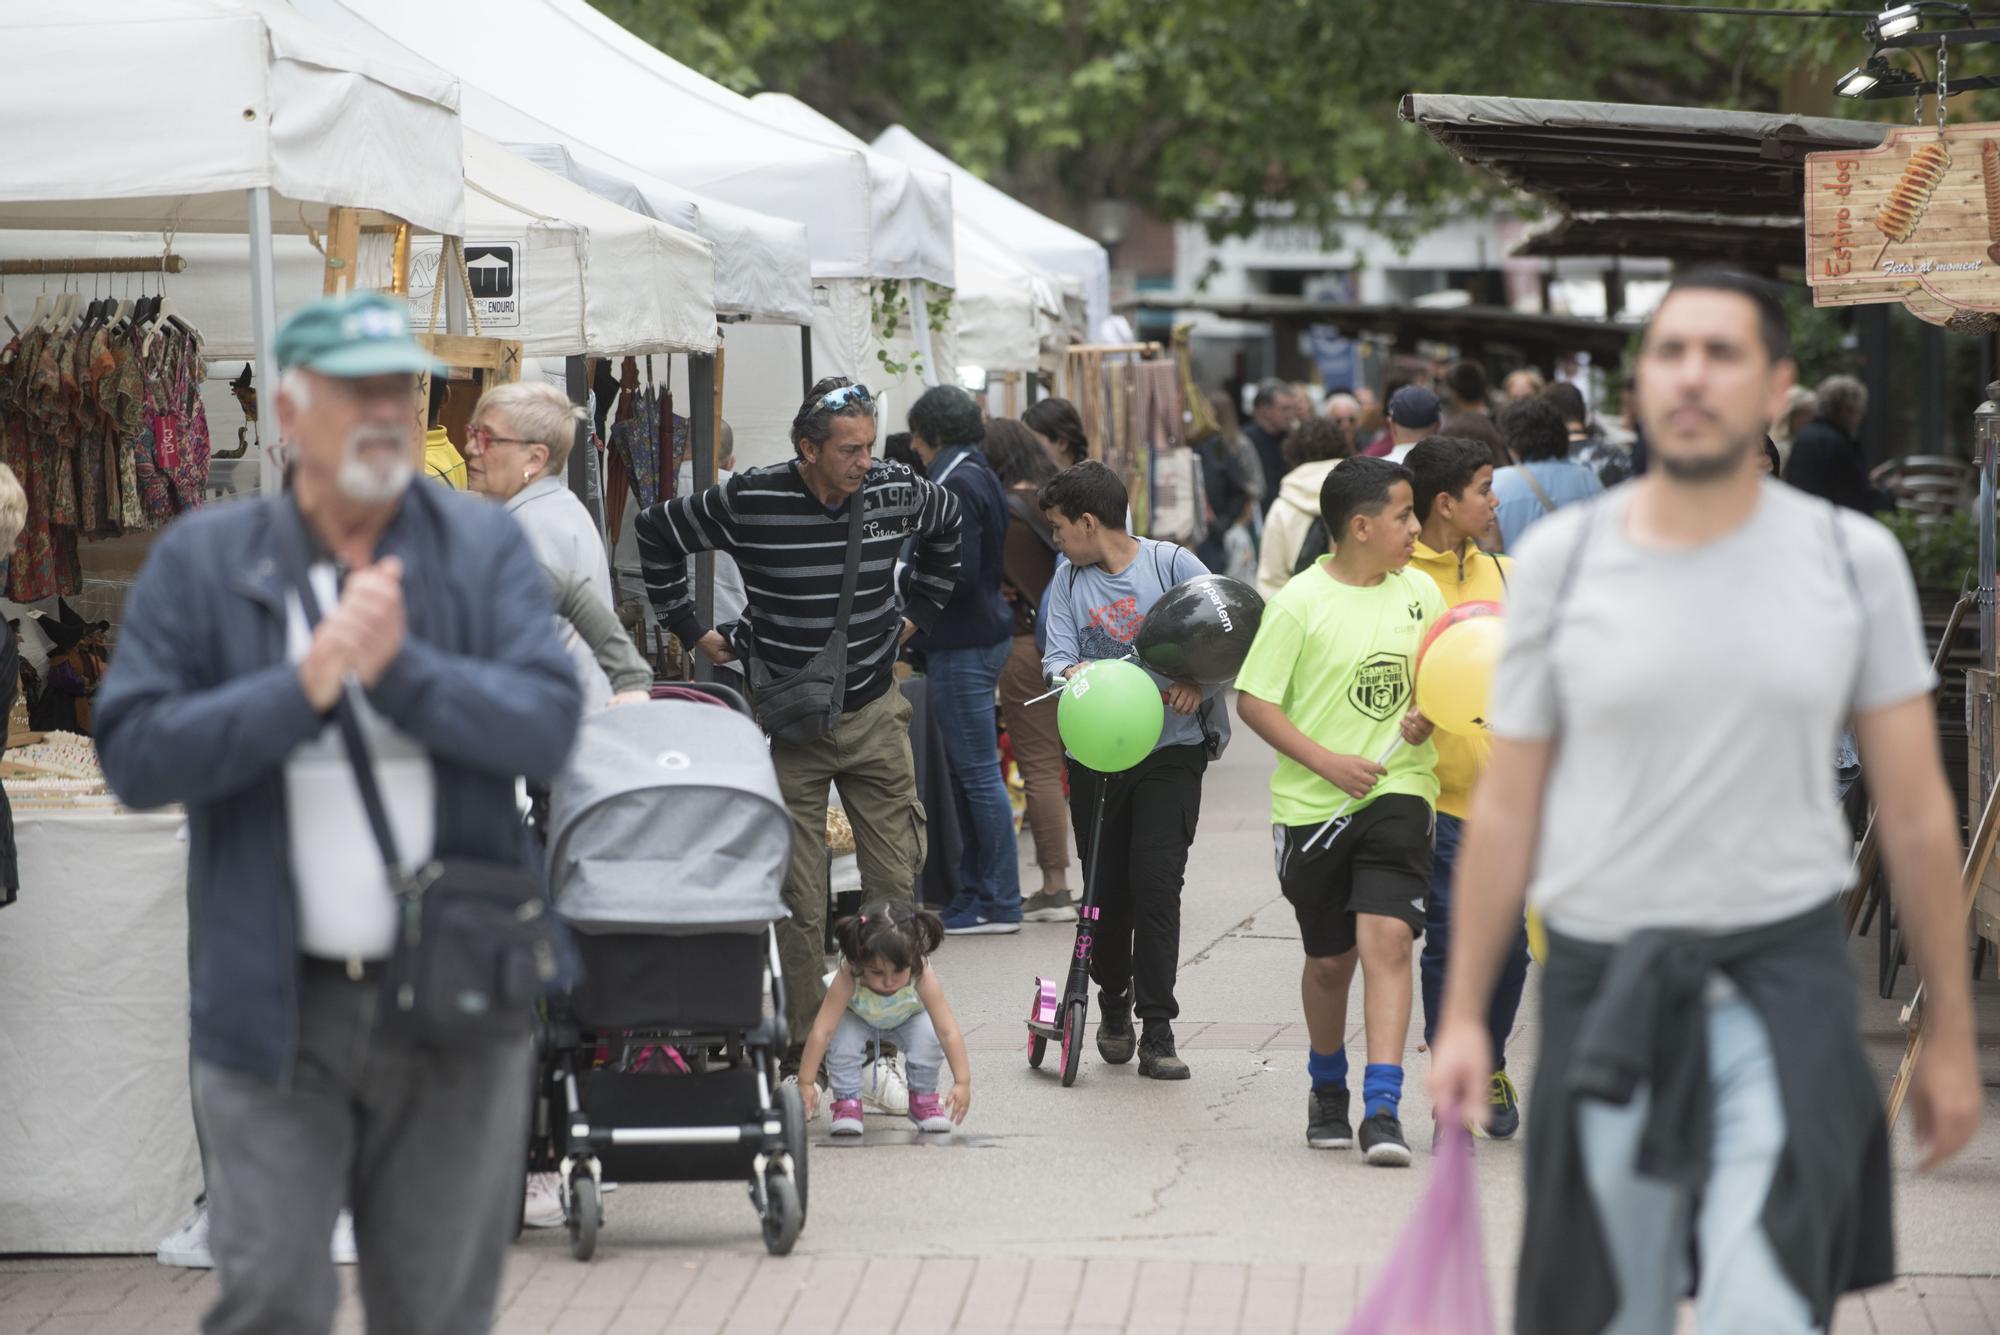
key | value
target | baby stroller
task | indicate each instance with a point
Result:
(668, 843)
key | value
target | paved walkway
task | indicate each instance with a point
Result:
(735, 1294)
(1119, 1205)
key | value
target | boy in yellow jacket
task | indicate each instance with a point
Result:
(1454, 501)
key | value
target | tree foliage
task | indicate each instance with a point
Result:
(1227, 109)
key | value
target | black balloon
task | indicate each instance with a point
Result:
(1201, 630)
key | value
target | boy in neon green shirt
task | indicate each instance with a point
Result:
(1330, 683)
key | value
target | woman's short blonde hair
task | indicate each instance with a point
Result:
(538, 412)
(13, 509)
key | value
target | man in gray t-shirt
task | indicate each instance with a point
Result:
(1681, 657)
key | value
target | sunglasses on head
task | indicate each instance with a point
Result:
(844, 395)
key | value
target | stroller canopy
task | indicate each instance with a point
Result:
(668, 820)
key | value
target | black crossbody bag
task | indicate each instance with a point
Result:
(803, 706)
(476, 944)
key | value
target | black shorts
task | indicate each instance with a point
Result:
(1379, 864)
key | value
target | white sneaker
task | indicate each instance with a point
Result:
(187, 1245)
(544, 1206)
(344, 1252)
(884, 1089)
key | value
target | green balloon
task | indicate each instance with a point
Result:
(1111, 715)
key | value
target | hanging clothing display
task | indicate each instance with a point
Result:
(101, 420)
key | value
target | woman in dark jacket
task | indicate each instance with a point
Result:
(1028, 561)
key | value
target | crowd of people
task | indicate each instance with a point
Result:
(1682, 653)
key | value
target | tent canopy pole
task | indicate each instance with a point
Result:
(920, 325)
(805, 361)
(264, 323)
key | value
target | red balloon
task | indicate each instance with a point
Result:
(1463, 612)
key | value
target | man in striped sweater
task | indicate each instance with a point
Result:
(786, 525)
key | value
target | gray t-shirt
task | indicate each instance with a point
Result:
(1696, 698)
(1094, 614)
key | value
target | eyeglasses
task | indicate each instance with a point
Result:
(485, 440)
(844, 395)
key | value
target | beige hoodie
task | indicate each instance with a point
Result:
(1285, 527)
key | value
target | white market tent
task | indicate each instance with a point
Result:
(552, 265)
(869, 219)
(569, 67)
(1008, 310)
(255, 120)
(1057, 248)
(763, 268)
(591, 279)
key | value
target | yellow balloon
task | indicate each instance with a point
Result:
(1457, 674)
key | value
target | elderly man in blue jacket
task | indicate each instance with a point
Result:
(306, 1099)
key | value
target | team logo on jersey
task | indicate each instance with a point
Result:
(1381, 686)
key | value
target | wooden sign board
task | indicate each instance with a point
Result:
(1915, 221)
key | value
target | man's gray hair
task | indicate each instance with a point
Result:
(295, 383)
(538, 412)
(1842, 398)
(1269, 392)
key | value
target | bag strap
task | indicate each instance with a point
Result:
(1548, 506)
(346, 714)
(851, 575)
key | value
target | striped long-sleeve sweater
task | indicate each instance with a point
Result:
(791, 548)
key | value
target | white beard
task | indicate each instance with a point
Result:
(368, 483)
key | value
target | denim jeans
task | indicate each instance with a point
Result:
(961, 691)
(915, 1038)
(1506, 1002)
(1646, 1220)
(423, 1143)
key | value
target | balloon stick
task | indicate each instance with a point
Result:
(1340, 817)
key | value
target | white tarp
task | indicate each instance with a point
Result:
(763, 264)
(551, 265)
(1008, 311)
(148, 115)
(1042, 239)
(100, 1153)
(566, 65)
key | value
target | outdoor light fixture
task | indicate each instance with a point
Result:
(1859, 80)
(1897, 21)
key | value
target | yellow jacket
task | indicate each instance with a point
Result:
(442, 459)
(1465, 576)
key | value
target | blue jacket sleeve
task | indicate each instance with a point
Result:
(163, 734)
(514, 713)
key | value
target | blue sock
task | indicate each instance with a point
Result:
(1328, 1070)
(1382, 1088)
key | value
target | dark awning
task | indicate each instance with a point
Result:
(1672, 182)
(1458, 325)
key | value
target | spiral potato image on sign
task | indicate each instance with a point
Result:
(1915, 221)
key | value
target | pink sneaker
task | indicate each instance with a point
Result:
(927, 1111)
(847, 1117)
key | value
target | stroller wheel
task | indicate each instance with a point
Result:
(784, 1214)
(1037, 1047)
(792, 1114)
(586, 1212)
(1072, 1042)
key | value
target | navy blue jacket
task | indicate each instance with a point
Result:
(202, 707)
(975, 616)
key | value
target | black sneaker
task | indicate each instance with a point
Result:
(1505, 1102)
(1156, 1056)
(1327, 1127)
(1115, 1040)
(1382, 1142)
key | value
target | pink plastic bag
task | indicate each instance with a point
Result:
(1436, 1280)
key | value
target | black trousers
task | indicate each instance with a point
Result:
(1150, 814)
